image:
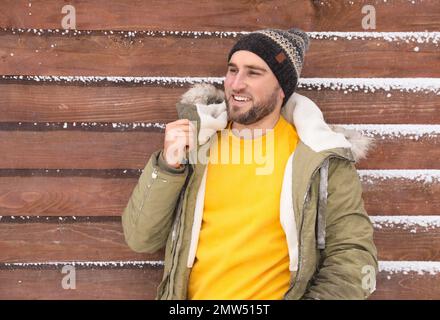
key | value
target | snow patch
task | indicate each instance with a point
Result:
(418, 175)
(129, 80)
(411, 131)
(371, 85)
(415, 37)
(367, 85)
(390, 267)
(412, 223)
(405, 267)
(128, 33)
(86, 264)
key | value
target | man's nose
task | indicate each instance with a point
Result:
(238, 83)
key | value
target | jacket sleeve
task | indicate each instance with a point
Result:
(348, 263)
(148, 216)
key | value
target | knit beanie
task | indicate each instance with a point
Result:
(282, 50)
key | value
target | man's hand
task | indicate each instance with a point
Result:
(179, 135)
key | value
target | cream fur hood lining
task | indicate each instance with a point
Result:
(299, 110)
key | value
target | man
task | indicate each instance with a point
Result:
(290, 227)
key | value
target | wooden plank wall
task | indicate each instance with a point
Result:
(81, 112)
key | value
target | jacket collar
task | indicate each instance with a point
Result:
(206, 105)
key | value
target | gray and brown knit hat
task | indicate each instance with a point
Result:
(282, 50)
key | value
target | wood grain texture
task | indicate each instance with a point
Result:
(76, 149)
(74, 208)
(397, 244)
(142, 284)
(396, 196)
(35, 102)
(114, 55)
(81, 241)
(90, 284)
(104, 241)
(217, 15)
(407, 287)
(97, 196)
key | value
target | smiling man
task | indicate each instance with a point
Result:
(297, 230)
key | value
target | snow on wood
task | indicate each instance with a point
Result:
(128, 80)
(390, 267)
(83, 264)
(382, 131)
(371, 85)
(366, 85)
(387, 131)
(416, 37)
(84, 125)
(419, 175)
(407, 37)
(412, 223)
(405, 267)
(127, 33)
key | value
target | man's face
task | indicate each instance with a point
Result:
(252, 90)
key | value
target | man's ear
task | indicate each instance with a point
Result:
(282, 95)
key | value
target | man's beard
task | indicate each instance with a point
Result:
(256, 112)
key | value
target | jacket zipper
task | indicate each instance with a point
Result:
(175, 242)
(298, 274)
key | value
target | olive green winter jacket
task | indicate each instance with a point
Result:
(328, 232)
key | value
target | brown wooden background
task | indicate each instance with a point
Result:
(72, 148)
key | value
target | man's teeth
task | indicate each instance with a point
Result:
(239, 98)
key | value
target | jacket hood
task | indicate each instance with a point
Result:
(206, 104)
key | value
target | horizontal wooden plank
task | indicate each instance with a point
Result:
(90, 284)
(72, 195)
(142, 284)
(77, 241)
(106, 54)
(396, 15)
(34, 102)
(388, 195)
(78, 149)
(75, 149)
(49, 103)
(407, 287)
(403, 152)
(104, 240)
(397, 243)
(75, 196)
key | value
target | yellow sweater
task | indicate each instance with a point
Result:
(242, 250)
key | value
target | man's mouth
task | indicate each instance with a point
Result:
(240, 98)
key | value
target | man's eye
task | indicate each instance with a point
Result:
(254, 73)
(233, 70)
